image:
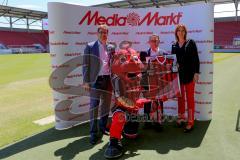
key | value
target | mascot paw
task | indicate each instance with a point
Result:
(123, 101)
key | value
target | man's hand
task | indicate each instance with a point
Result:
(86, 86)
(196, 77)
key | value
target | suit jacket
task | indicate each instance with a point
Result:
(187, 59)
(91, 61)
(144, 54)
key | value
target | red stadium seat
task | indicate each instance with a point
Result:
(224, 32)
(23, 38)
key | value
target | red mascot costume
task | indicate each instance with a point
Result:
(126, 71)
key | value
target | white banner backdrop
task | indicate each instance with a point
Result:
(71, 27)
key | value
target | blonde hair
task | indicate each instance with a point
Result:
(176, 30)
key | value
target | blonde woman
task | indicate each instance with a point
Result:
(188, 62)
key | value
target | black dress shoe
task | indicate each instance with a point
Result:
(93, 139)
(187, 130)
(158, 127)
(114, 149)
(147, 125)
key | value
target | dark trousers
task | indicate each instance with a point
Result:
(148, 109)
(100, 98)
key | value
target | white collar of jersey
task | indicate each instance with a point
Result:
(153, 51)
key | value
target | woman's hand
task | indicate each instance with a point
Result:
(196, 77)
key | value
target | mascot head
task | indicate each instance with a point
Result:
(127, 65)
(128, 68)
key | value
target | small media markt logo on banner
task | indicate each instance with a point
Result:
(132, 19)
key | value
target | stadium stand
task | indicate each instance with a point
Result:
(23, 38)
(24, 42)
(225, 32)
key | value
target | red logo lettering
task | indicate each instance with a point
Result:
(132, 19)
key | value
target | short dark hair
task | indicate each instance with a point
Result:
(102, 26)
(154, 35)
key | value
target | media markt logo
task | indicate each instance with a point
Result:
(132, 19)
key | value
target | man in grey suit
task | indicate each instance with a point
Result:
(153, 50)
(97, 81)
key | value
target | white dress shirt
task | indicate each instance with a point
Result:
(103, 55)
(153, 53)
(158, 52)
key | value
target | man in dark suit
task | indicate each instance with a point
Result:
(97, 81)
(152, 51)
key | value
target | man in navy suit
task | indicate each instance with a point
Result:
(152, 51)
(97, 81)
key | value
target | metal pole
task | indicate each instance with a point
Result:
(27, 24)
(11, 24)
(236, 8)
(42, 25)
